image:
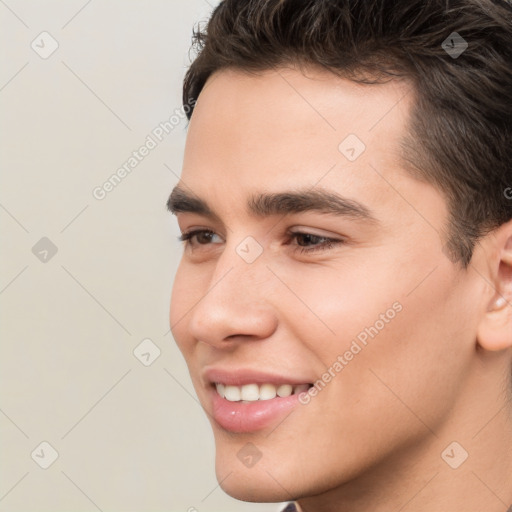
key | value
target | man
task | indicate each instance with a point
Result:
(344, 298)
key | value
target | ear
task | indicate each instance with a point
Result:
(495, 328)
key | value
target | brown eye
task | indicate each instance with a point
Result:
(308, 243)
(201, 236)
(308, 238)
(204, 237)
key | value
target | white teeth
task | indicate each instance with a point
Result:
(254, 392)
(267, 391)
(284, 390)
(232, 393)
(220, 388)
(250, 392)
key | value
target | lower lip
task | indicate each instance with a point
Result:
(252, 416)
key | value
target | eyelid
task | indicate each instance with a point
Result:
(307, 230)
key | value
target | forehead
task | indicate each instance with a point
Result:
(282, 120)
(275, 130)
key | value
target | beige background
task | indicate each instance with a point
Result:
(129, 437)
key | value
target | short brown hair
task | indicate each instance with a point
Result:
(460, 133)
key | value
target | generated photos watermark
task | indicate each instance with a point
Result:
(357, 345)
(152, 140)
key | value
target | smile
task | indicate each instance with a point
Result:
(254, 392)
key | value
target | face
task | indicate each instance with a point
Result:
(281, 289)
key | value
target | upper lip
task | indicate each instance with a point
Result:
(241, 376)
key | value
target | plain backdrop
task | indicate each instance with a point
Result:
(97, 410)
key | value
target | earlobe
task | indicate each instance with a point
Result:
(497, 304)
(495, 330)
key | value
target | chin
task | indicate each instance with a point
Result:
(251, 482)
(253, 485)
(286, 471)
(274, 479)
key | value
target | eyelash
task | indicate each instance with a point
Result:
(329, 243)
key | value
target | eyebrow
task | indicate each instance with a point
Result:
(265, 204)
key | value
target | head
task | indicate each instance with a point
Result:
(349, 165)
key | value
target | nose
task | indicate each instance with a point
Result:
(235, 304)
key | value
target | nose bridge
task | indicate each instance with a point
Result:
(243, 266)
(248, 256)
(235, 301)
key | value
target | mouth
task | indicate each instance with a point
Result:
(244, 400)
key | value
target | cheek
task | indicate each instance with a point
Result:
(415, 353)
(337, 304)
(395, 325)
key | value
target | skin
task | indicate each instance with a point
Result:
(438, 372)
